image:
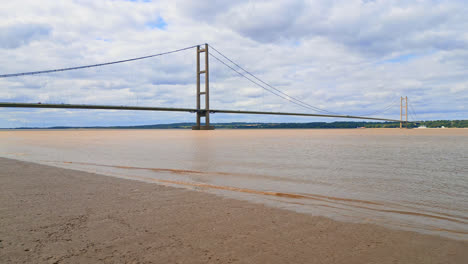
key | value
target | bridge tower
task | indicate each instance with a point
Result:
(404, 111)
(203, 112)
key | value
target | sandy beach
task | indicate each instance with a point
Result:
(54, 215)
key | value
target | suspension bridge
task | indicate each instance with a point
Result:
(203, 109)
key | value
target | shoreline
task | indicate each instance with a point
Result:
(242, 129)
(53, 215)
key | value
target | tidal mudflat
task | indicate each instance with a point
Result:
(55, 215)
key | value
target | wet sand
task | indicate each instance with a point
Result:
(54, 215)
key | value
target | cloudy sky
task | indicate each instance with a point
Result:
(346, 56)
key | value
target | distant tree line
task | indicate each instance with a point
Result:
(428, 124)
(345, 124)
(322, 125)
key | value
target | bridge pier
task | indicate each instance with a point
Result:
(403, 111)
(206, 111)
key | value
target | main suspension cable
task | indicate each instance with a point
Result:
(93, 65)
(256, 83)
(385, 109)
(272, 87)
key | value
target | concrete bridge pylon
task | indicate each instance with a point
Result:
(203, 112)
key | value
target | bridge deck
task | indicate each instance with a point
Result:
(190, 110)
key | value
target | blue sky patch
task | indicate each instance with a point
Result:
(158, 23)
(401, 58)
(407, 57)
(103, 39)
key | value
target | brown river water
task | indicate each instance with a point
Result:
(403, 179)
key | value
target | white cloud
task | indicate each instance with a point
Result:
(16, 35)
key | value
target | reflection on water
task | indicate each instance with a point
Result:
(409, 179)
